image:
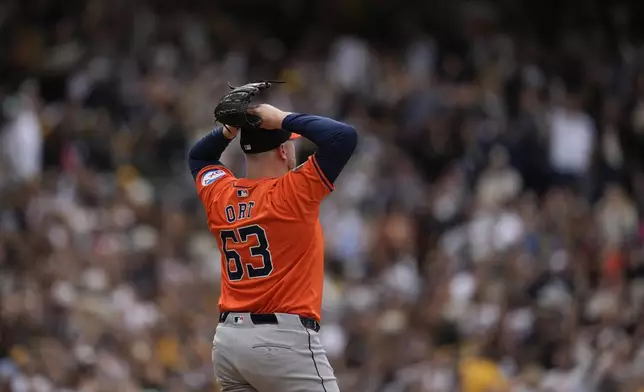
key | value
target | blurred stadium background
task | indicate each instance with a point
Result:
(486, 237)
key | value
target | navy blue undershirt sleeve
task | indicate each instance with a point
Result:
(336, 141)
(207, 151)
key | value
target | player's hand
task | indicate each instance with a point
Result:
(230, 132)
(271, 116)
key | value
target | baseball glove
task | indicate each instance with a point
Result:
(233, 108)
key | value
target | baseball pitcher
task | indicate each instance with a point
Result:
(271, 242)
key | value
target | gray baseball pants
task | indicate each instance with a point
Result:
(282, 357)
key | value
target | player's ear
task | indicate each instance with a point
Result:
(281, 151)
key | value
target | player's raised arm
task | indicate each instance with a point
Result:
(336, 140)
(207, 151)
(300, 192)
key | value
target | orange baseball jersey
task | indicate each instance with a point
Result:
(271, 241)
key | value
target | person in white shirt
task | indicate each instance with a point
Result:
(21, 138)
(572, 138)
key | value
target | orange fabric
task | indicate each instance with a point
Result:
(285, 211)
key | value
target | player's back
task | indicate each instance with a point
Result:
(272, 244)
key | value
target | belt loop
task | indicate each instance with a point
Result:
(310, 323)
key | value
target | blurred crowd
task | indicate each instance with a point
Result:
(487, 236)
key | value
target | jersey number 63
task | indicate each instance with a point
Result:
(260, 250)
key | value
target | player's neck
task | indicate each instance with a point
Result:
(256, 170)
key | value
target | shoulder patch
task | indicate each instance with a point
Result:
(211, 176)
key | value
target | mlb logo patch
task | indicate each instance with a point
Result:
(242, 193)
(211, 176)
(238, 320)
